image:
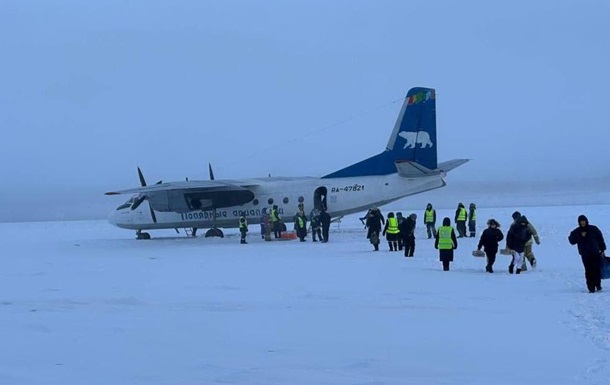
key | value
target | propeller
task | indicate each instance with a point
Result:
(143, 184)
(211, 172)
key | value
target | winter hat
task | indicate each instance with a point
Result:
(493, 222)
(516, 215)
(446, 221)
(582, 218)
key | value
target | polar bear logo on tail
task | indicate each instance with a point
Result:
(415, 137)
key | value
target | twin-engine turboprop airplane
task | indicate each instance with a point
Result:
(407, 166)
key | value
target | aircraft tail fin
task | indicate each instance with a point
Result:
(413, 139)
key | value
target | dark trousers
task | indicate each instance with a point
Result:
(243, 235)
(316, 231)
(491, 259)
(593, 271)
(472, 228)
(409, 242)
(461, 228)
(446, 265)
(277, 229)
(431, 230)
(325, 233)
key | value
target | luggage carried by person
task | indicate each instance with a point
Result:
(478, 253)
(605, 267)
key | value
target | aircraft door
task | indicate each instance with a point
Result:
(319, 198)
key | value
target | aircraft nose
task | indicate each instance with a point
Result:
(112, 218)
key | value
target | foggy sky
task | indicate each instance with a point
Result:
(90, 90)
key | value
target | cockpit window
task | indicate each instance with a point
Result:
(126, 204)
(136, 202)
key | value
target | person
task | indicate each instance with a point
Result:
(325, 223)
(516, 238)
(300, 224)
(400, 220)
(406, 231)
(528, 253)
(263, 215)
(373, 224)
(430, 220)
(243, 229)
(591, 247)
(391, 231)
(472, 220)
(266, 223)
(460, 220)
(489, 240)
(363, 219)
(445, 242)
(314, 218)
(276, 222)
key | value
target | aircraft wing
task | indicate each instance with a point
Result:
(190, 186)
(182, 197)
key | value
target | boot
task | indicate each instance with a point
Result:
(376, 246)
(391, 246)
(518, 271)
(510, 268)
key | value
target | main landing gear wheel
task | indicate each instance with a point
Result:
(142, 235)
(214, 233)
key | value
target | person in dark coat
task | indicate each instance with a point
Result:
(489, 240)
(591, 247)
(264, 220)
(407, 234)
(472, 220)
(373, 224)
(516, 238)
(314, 218)
(325, 223)
(445, 242)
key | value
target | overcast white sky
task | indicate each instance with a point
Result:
(90, 90)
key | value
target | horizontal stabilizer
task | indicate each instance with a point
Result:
(451, 164)
(409, 169)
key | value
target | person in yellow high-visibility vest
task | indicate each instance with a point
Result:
(472, 220)
(430, 220)
(243, 229)
(461, 215)
(391, 231)
(445, 242)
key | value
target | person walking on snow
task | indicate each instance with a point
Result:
(517, 237)
(445, 243)
(591, 247)
(489, 240)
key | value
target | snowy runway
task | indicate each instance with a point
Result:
(82, 302)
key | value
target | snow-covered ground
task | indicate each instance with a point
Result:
(84, 303)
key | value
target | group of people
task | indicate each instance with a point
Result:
(521, 235)
(319, 220)
(398, 230)
(519, 240)
(271, 221)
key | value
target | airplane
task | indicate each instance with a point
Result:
(407, 166)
